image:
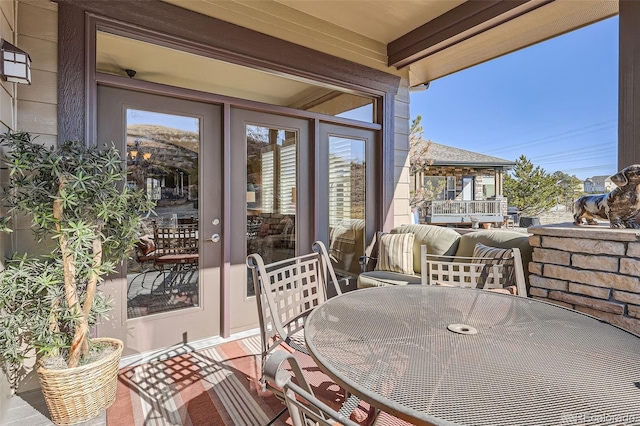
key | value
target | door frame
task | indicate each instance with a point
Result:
(174, 27)
(372, 200)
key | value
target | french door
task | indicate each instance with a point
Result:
(168, 292)
(284, 189)
(271, 199)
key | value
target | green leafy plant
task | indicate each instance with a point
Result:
(88, 220)
(530, 188)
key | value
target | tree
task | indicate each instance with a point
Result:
(530, 188)
(569, 188)
(418, 159)
(75, 196)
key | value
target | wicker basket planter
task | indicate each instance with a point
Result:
(78, 394)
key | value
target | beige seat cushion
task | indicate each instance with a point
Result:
(385, 278)
(438, 239)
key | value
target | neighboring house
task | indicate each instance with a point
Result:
(270, 123)
(460, 186)
(598, 185)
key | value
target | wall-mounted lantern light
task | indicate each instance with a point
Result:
(16, 64)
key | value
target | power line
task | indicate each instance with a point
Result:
(556, 137)
(597, 167)
(569, 132)
(573, 159)
(572, 153)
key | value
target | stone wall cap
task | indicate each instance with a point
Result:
(593, 232)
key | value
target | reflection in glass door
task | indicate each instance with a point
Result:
(347, 203)
(271, 193)
(162, 159)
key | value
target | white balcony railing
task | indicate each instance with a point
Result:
(452, 211)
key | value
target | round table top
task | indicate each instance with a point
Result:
(508, 361)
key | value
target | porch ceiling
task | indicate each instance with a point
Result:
(432, 38)
(158, 64)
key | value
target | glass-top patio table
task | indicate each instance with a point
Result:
(444, 356)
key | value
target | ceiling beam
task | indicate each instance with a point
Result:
(460, 23)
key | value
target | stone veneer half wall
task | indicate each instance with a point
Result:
(592, 269)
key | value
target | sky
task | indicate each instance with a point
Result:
(136, 116)
(555, 102)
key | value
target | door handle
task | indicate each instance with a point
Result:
(215, 238)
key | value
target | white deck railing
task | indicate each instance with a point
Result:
(453, 207)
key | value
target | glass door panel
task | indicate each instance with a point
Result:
(162, 152)
(271, 200)
(347, 202)
(271, 193)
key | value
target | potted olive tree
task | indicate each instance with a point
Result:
(88, 220)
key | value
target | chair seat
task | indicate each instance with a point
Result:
(296, 341)
(177, 258)
(324, 388)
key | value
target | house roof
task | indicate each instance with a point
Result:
(443, 155)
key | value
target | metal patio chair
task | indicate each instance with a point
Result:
(495, 274)
(287, 291)
(176, 253)
(304, 407)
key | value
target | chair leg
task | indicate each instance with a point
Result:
(350, 405)
(273, 420)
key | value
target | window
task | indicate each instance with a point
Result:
(451, 187)
(435, 188)
(488, 187)
(162, 152)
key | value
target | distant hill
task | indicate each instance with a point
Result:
(167, 135)
(170, 149)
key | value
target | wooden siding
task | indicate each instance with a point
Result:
(36, 105)
(7, 121)
(7, 90)
(37, 35)
(401, 194)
